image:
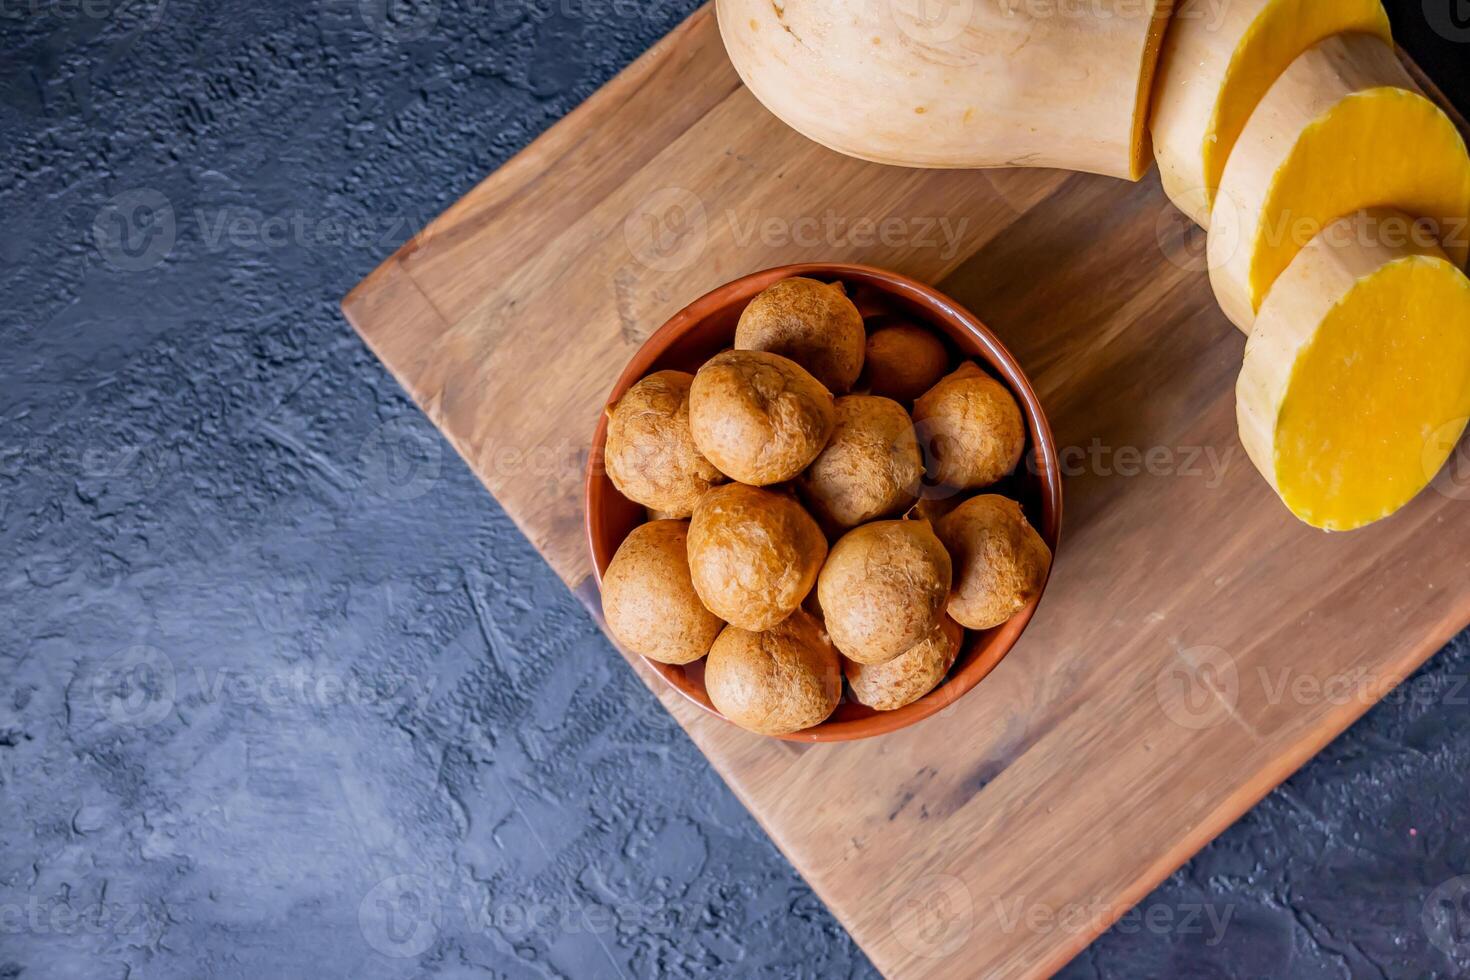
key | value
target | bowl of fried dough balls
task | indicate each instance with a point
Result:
(822, 502)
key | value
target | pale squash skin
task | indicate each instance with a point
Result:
(963, 85)
(753, 554)
(759, 417)
(1000, 562)
(648, 598)
(776, 681)
(812, 323)
(883, 589)
(650, 456)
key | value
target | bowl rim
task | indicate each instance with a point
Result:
(1000, 360)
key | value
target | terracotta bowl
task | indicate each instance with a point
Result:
(706, 327)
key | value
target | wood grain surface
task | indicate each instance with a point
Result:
(1196, 644)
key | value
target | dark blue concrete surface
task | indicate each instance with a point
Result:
(283, 693)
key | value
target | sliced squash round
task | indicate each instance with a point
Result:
(1218, 62)
(1342, 130)
(1356, 384)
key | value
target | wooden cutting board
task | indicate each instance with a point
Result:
(1196, 644)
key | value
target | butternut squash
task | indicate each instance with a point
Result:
(1341, 130)
(1356, 381)
(1336, 195)
(1218, 62)
(968, 84)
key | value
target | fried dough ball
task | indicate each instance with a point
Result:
(904, 361)
(649, 601)
(912, 674)
(970, 429)
(883, 588)
(870, 467)
(776, 681)
(759, 417)
(651, 457)
(1000, 562)
(811, 322)
(753, 554)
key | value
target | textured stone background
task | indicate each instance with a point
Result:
(284, 693)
